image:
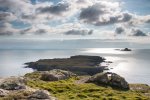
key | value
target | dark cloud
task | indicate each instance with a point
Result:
(91, 14)
(79, 32)
(120, 18)
(40, 31)
(99, 15)
(137, 32)
(54, 9)
(119, 30)
(25, 31)
(6, 16)
(31, 30)
(3, 15)
(6, 29)
(7, 33)
(126, 17)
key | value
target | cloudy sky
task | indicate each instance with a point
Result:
(75, 18)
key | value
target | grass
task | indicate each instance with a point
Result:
(69, 90)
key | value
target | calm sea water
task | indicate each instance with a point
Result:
(134, 65)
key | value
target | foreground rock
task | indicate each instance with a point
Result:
(13, 83)
(41, 95)
(78, 64)
(56, 74)
(14, 88)
(110, 79)
(3, 92)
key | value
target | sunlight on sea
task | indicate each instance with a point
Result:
(105, 51)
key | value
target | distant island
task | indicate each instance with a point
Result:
(80, 64)
(125, 49)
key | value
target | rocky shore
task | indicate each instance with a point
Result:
(58, 84)
(65, 85)
(80, 64)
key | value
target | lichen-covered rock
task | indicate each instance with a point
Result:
(13, 83)
(41, 95)
(110, 79)
(118, 81)
(56, 74)
(3, 92)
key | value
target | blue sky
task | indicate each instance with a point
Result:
(75, 18)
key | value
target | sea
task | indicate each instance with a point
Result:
(133, 65)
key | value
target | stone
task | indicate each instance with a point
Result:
(41, 95)
(13, 83)
(111, 79)
(3, 92)
(56, 74)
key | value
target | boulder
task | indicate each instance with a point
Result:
(111, 79)
(13, 83)
(41, 95)
(118, 81)
(3, 92)
(56, 74)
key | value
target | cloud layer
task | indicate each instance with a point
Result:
(69, 17)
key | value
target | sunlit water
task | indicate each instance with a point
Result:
(134, 65)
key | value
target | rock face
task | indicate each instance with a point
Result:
(41, 95)
(3, 92)
(56, 74)
(110, 79)
(13, 83)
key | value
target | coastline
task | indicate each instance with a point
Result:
(53, 84)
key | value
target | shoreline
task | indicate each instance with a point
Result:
(56, 83)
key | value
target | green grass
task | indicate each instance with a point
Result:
(69, 90)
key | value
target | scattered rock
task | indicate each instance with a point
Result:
(3, 92)
(110, 79)
(41, 95)
(56, 74)
(13, 83)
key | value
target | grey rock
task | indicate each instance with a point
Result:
(111, 79)
(3, 92)
(41, 95)
(56, 74)
(13, 83)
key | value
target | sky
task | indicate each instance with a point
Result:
(75, 18)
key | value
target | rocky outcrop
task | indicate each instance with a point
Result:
(13, 83)
(82, 64)
(126, 49)
(110, 79)
(3, 92)
(16, 88)
(41, 95)
(56, 74)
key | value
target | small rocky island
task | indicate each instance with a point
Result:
(125, 49)
(80, 64)
(50, 82)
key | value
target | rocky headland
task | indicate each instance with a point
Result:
(58, 84)
(80, 64)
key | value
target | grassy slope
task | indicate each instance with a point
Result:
(69, 90)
